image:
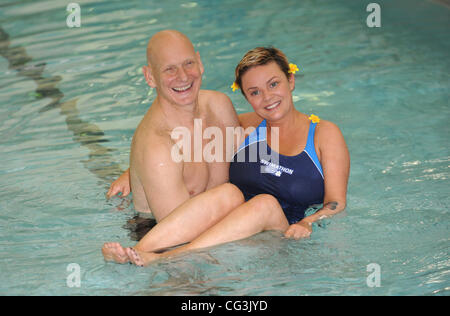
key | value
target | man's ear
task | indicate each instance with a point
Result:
(147, 71)
(199, 60)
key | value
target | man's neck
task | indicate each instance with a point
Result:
(178, 115)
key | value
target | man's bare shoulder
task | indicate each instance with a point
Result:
(250, 119)
(156, 154)
(152, 128)
(219, 104)
(212, 96)
(152, 142)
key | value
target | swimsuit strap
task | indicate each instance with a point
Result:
(310, 148)
(258, 135)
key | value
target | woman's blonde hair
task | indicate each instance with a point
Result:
(261, 56)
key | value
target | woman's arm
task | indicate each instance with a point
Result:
(335, 160)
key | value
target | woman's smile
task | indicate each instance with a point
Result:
(273, 106)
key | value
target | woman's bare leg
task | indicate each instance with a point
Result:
(185, 223)
(261, 213)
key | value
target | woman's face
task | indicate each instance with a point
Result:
(268, 91)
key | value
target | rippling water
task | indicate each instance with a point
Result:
(72, 97)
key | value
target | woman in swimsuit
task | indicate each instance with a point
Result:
(290, 162)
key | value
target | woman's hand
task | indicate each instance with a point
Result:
(122, 184)
(299, 230)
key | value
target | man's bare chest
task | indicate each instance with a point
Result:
(196, 176)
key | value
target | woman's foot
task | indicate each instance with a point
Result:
(113, 251)
(141, 259)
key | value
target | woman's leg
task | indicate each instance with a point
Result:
(185, 223)
(261, 213)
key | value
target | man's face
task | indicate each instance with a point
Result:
(177, 72)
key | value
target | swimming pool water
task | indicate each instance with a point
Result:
(70, 99)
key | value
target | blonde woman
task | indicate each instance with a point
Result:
(311, 167)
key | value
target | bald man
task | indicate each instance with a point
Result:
(159, 184)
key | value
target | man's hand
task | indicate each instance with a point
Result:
(299, 230)
(122, 184)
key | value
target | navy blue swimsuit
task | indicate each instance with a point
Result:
(296, 181)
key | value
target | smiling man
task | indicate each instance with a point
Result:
(160, 184)
(175, 70)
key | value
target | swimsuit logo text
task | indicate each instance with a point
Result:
(276, 170)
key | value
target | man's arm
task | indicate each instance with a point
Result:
(225, 113)
(120, 185)
(162, 180)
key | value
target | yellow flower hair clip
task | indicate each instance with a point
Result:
(293, 68)
(234, 86)
(314, 118)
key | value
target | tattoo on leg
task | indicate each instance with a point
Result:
(331, 205)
